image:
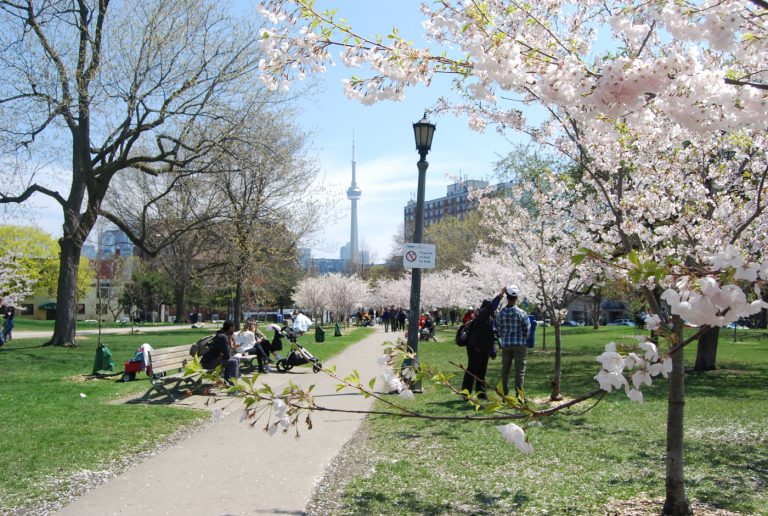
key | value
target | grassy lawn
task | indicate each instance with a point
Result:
(22, 323)
(50, 431)
(582, 460)
(332, 345)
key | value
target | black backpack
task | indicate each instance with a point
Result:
(462, 334)
(202, 346)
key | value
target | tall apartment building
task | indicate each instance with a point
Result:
(454, 204)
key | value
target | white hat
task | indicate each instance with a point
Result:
(512, 290)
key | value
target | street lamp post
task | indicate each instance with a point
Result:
(423, 132)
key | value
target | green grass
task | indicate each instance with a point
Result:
(581, 461)
(26, 323)
(332, 345)
(48, 430)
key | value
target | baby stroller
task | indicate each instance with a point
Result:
(299, 355)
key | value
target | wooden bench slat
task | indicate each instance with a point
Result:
(180, 355)
(163, 360)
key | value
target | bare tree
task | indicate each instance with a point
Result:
(270, 198)
(119, 86)
(184, 214)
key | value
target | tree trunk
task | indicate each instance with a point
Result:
(181, 301)
(66, 297)
(555, 394)
(706, 353)
(676, 502)
(237, 305)
(597, 301)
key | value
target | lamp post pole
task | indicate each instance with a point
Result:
(423, 132)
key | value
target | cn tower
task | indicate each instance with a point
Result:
(353, 194)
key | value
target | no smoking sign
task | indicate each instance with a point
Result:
(419, 256)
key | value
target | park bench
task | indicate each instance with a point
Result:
(167, 366)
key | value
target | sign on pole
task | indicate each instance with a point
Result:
(419, 256)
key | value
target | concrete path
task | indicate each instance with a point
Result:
(232, 469)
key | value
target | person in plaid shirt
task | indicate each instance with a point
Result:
(513, 325)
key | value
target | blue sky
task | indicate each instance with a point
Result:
(385, 150)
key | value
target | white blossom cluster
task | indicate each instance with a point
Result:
(516, 435)
(640, 368)
(281, 416)
(393, 379)
(705, 301)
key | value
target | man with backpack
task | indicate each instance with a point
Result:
(514, 326)
(481, 345)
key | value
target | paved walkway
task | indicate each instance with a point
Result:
(231, 469)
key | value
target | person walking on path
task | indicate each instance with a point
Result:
(513, 327)
(481, 345)
(385, 319)
(401, 318)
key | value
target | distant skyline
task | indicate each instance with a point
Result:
(385, 152)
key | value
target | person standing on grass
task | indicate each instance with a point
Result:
(481, 345)
(513, 325)
(220, 353)
(10, 312)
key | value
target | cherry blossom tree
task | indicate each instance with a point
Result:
(344, 294)
(647, 110)
(15, 284)
(311, 295)
(392, 292)
(539, 246)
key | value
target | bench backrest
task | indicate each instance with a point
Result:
(169, 359)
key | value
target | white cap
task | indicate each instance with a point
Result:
(513, 290)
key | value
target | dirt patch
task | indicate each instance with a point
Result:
(645, 506)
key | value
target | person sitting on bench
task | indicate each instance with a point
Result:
(249, 341)
(220, 353)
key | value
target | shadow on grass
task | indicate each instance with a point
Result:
(729, 474)
(730, 381)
